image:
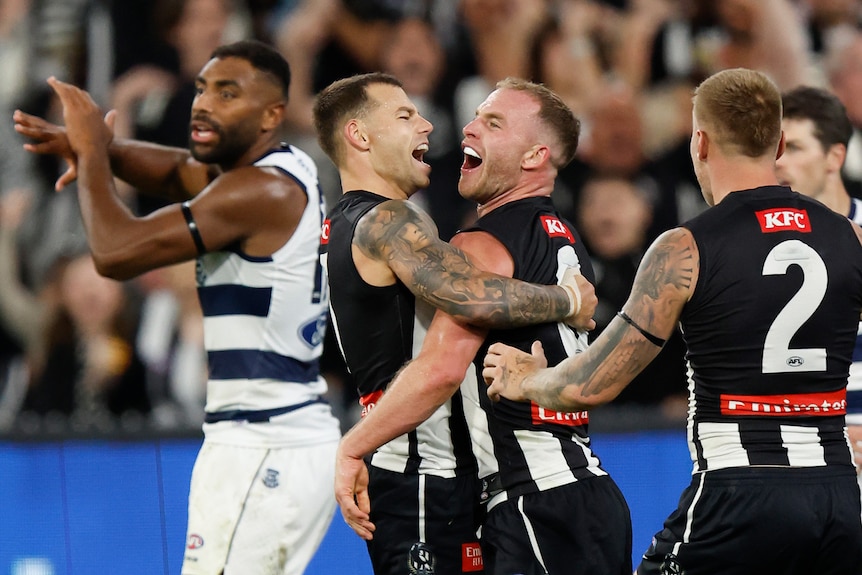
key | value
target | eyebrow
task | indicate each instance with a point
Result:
(218, 83)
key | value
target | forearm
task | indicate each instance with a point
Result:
(594, 377)
(159, 171)
(107, 221)
(496, 302)
(412, 397)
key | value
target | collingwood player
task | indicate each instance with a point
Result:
(387, 269)
(249, 209)
(767, 287)
(551, 507)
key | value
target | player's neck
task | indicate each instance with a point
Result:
(836, 198)
(525, 189)
(746, 174)
(371, 181)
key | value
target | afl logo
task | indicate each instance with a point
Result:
(195, 541)
(795, 361)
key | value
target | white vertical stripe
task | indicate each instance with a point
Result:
(422, 514)
(477, 423)
(689, 515)
(722, 445)
(545, 461)
(531, 533)
(803, 446)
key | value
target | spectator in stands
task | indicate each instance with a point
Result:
(614, 217)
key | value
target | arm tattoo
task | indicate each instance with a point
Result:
(595, 376)
(661, 288)
(442, 275)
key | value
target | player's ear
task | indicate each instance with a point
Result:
(536, 157)
(702, 145)
(273, 116)
(356, 134)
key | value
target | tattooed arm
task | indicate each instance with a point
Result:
(664, 283)
(403, 241)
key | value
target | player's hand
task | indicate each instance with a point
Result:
(47, 138)
(585, 299)
(351, 493)
(506, 368)
(50, 139)
(855, 433)
(85, 128)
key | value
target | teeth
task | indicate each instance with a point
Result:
(422, 148)
(471, 152)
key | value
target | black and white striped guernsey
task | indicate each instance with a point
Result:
(768, 366)
(379, 329)
(524, 447)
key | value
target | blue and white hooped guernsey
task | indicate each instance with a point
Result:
(264, 321)
(854, 384)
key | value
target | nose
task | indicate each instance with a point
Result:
(427, 127)
(468, 129)
(201, 103)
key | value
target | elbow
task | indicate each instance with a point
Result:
(112, 267)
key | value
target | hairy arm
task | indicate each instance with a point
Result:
(406, 240)
(664, 283)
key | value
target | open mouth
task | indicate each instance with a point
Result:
(419, 153)
(472, 159)
(202, 132)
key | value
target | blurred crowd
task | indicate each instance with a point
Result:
(82, 352)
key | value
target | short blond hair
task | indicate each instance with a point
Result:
(554, 114)
(741, 109)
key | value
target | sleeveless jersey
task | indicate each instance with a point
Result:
(854, 384)
(770, 331)
(521, 447)
(264, 320)
(379, 329)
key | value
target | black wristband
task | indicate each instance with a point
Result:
(649, 337)
(193, 228)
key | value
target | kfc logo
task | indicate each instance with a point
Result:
(324, 232)
(556, 229)
(783, 220)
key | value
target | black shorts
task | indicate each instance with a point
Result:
(425, 525)
(583, 528)
(754, 521)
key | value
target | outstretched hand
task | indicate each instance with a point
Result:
(585, 297)
(51, 139)
(506, 368)
(351, 493)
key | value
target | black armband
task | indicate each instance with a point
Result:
(193, 228)
(649, 337)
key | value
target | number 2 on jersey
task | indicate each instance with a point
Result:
(777, 355)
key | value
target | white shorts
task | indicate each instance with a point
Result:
(258, 511)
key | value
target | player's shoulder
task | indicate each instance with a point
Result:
(399, 212)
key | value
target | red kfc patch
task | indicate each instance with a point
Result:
(556, 229)
(324, 232)
(783, 220)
